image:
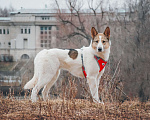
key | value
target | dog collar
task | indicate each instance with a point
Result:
(101, 63)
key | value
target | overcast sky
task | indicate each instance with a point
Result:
(39, 4)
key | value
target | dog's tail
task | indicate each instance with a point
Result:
(31, 83)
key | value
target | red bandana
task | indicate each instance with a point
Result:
(100, 61)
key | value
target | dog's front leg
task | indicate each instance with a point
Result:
(92, 81)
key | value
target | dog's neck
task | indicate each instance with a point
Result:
(104, 55)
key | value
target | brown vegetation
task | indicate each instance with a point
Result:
(72, 109)
(65, 106)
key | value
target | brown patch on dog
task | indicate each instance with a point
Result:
(94, 43)
(107, 32)
(73, 53)
(106, 45)
(93, 32)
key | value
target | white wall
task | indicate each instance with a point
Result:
(4, 38)
(16, 38)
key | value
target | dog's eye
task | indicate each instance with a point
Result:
(96, 41)
(104, 41)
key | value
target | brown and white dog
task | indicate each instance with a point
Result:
(84, 62)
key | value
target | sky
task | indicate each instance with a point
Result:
(26, 4)
(41, 4)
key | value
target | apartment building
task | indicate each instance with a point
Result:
(26, 32)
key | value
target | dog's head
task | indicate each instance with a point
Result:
(100, 41)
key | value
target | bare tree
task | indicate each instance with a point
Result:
(78, 21)
(135, 34)
(142, 57)
(5, 12)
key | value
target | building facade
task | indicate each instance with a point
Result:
(26, 32)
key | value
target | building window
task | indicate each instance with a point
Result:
(45, 18)
(25, 43)
(45, 43)
(49, 44)
(25, 56)
(0, 31)
(7, 31)
(46, 30)
(21, 31)
(41, 28)
(9, 44)
(41, 43)
(29, 31)
(3, 31)
(25, 31)
(49, 28)
(57, 28)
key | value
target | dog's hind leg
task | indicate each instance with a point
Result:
(46, 71)
(35, 91)
(42, 81)
(49, 85)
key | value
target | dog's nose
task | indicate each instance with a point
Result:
(99, 49)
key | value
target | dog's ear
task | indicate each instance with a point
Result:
(107, 32)
(93, 32)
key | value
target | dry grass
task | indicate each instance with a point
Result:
(6, 66)
(66, 107)
(72, 109)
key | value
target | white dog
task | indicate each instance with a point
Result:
(86, 62)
